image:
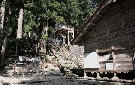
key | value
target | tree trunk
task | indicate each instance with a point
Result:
(2, 14)
(43, 41)
(19, 30)
(5, 39)
(1, 28)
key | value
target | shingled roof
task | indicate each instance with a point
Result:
(93, 20)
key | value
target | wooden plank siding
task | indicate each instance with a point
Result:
(115, 29)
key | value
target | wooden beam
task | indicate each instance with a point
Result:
(93, 23)
(99, 14)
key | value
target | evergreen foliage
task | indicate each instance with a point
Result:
(39, 14)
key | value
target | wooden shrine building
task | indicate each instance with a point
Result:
(63, 34)
(109, 38)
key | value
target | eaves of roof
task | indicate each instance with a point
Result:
(97, 15)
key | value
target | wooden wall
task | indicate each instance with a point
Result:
(117, 29)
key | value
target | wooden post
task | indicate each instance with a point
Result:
(68, 37)
(114, 61)
(115, 74)
(64, 40)
(85, 74)
(114, 67)
(98, 75)
(14, 67)
(133, 59)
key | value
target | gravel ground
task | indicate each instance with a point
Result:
(41, 79)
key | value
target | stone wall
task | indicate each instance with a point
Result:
(78, 54)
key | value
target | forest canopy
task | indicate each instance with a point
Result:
(21, 19)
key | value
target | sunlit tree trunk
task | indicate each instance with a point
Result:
(5, 38)
(19, 30)
(2, 11)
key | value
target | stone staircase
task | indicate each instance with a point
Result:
(65, 57)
